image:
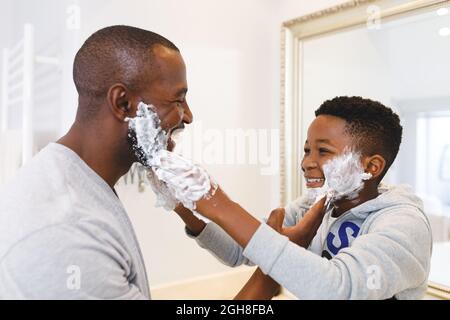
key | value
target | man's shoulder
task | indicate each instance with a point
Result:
(57, 231)
(37, 187)
(36, 198)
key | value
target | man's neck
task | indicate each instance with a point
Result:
(95, 151)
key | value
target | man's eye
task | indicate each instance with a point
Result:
(323, 150)
(306, 150)
(179, 104)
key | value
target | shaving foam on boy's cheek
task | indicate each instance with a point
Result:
(173, 178)
(344, 177)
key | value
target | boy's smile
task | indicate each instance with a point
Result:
(314, 182)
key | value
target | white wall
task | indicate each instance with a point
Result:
(52, 38)
(5, 33)
(232, 52)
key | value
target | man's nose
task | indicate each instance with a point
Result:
(187, 114)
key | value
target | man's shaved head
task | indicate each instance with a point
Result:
(116, 54)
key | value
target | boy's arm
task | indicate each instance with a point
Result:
(213, 238)
(392, 257)
(263, 287)
(229, 215)
(258, 287)
(194, 224)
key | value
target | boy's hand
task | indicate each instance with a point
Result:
(276, 219)
(263, 287)
(304, 231)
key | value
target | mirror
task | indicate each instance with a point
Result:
(395, 52)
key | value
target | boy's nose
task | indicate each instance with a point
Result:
(309, 164)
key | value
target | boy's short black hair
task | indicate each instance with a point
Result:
(374, 127)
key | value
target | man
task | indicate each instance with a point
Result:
(64, 233)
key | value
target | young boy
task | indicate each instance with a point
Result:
(376, 245)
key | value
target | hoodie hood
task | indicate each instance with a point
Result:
(390, 196)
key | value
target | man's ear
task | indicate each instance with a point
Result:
(374, 165)
(119, 101)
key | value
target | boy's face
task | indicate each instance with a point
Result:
(326, 139)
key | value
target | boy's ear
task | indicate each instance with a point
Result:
(119, 101)
(374, 165)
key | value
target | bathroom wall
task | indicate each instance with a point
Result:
(232, 53)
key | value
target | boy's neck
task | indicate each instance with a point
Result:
(368, 193)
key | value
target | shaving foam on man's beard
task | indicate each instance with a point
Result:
(146, 134)
(344, 178)
(173, 178)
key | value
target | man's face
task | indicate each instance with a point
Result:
(326, 139)
(167, 91)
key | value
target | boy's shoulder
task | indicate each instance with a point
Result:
(392, 197)
(396, 204)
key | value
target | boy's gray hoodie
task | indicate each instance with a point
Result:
(377, 250)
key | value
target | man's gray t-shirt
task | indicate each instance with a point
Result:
(64, 234)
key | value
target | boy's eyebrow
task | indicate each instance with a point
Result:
(327, 141)
(323, 140)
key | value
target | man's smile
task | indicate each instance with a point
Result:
(174, 132)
